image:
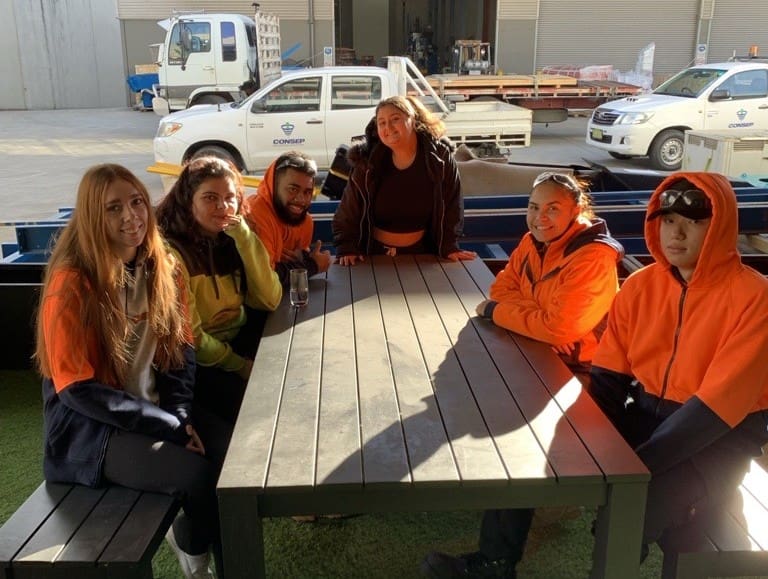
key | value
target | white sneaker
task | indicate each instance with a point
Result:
(192, 566)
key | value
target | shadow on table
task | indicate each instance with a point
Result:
(489, 418)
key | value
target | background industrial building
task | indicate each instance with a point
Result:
(60, 54)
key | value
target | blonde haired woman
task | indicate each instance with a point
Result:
(113, 347)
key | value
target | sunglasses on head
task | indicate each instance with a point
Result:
(693, 198)
(566, 181)
(303, 165)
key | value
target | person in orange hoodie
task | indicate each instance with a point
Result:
(279, 214)
(557, 288)
(681, 370)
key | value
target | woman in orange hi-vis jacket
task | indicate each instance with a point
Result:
(557, 287)
(561, 279)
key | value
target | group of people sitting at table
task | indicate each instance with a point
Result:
(149, 322)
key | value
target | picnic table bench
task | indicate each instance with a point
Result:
(731, 542)
(387, 393)
(77, 532)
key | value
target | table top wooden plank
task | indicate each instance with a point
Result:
(250, 449)
(384, 455)
(429, 452)
(613, 455)
(339, 456)
(294, 447)
(455, 295)
(474, 450)
(565, 450)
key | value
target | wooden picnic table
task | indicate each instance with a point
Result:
(387, 393)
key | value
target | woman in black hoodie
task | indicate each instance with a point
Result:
(404, 193)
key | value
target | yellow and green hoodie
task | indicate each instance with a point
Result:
(224, 274)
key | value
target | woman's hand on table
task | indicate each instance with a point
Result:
(565, 349)
(350, 259)
(462, 255)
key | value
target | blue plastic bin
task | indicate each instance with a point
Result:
(142, 83)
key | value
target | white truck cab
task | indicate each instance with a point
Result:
(205, 57)
(726, 95)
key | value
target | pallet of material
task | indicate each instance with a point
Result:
(445, 81)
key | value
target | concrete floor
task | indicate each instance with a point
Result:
(43, 154)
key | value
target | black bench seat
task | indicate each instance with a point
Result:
(73, 531)
(732, 542)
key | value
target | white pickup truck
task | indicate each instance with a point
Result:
(726, 95)
(316, 110)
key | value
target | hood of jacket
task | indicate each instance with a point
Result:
(719, 253)
(264, 198)
(262, 217)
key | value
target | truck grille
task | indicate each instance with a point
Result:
(604, 117)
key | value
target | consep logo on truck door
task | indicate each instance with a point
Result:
(287, 128)
(742, 114)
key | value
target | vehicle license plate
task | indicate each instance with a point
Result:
(597, 134)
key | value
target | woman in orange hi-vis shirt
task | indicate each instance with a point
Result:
(557, 287)
(114, 349)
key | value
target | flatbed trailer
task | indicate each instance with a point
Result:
(550, 96)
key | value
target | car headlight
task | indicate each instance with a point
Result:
(167, 129)
(633, 118)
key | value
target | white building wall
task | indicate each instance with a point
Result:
(737, 25)
(68, 55)
(12, 86)
(613, 32)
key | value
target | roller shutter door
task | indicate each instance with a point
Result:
(580, 32)
(287, 9)
(736, 25)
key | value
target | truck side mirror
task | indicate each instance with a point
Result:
(186, 38)
(720, 94)
(186, 45)
(259, 105)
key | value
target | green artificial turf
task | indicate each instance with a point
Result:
(371, 546)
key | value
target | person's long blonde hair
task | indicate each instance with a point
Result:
(83, 246)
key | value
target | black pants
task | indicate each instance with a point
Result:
(145, 463)
(219, 391)
(503, 533)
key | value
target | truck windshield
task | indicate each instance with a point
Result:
(690, 83)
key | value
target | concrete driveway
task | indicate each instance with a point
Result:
(43, 154)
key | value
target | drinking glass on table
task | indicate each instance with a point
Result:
(299, 287)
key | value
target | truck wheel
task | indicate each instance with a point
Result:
(666, 151)
(621, 156)
(214, 151)
(210, 99)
